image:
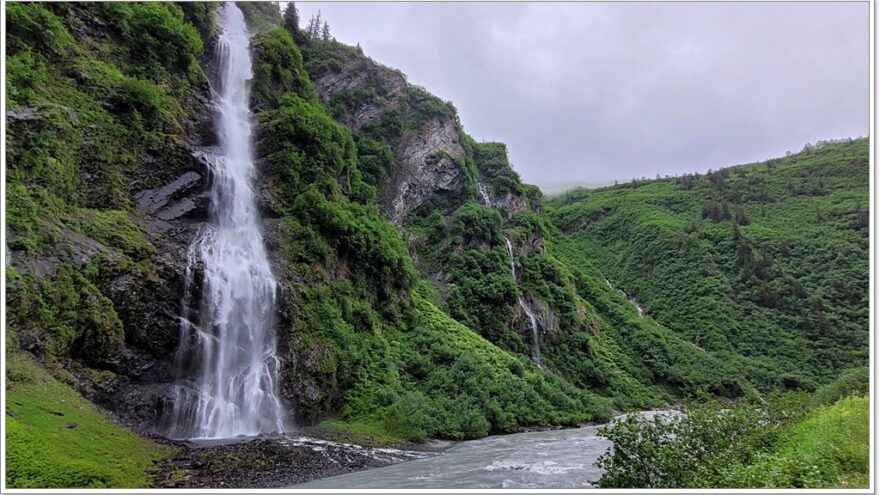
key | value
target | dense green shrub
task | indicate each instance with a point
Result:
(159, 42)
(482, 295)
(492, 163)
(261, 16)
(423, 106)
(473, 224)
(855, 381)
(143, 102)
(33, 27)
(278, 69)
(201, 16)
(765, 444)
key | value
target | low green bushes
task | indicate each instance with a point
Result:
(775, 443)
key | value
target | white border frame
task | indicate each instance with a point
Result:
(873, 377)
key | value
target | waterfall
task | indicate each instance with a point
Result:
(227, 362)
(536, 345)
(533, 320)
(631, 300)
(484, 192)
(510, 255)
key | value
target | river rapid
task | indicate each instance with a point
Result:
(540, 459)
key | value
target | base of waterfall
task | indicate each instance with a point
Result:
(275, 461)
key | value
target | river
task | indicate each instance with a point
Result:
(540, 459)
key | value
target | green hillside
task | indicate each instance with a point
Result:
(767, 260)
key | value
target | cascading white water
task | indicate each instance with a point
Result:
(510, 256)
(533, 320)
(484, 192)
(631, 300)
(228, 360)
(536, 345)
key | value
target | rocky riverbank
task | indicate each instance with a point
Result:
(274, 462)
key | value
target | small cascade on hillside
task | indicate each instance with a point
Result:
(227, 359)
(536, 345)
(484, 192)
(533, 320)
(631, 300)
(510, 256)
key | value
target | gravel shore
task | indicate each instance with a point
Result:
(275, 461)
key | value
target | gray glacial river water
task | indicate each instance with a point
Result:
(540, 459)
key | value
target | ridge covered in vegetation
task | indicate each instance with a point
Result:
(765, 263)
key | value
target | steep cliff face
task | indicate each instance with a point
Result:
(98, 265)
(349, 72)
(429, 164)
(362, 342)
(479, 235)
(424, 134)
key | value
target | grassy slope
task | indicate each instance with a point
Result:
(829, 448)
(786, 285)
(57, 439)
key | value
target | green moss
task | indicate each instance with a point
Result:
(358, 432)
(70, 312)
(115, 229)
(57, 439)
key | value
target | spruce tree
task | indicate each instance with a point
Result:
(291, 22)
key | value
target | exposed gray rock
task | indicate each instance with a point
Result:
(153, 200)
(426, 165)
(71, 247)
(425, 162)
(22, 113)
(360, 73)
(510, 203)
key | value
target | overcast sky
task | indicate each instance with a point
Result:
(593, 92)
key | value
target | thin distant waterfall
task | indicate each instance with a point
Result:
(533, 320)
(227, 359)
(484, 193)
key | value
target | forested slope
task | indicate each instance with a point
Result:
(768, 261)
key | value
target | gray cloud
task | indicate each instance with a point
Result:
(592, 92)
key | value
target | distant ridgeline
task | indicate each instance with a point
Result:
(398, 313)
